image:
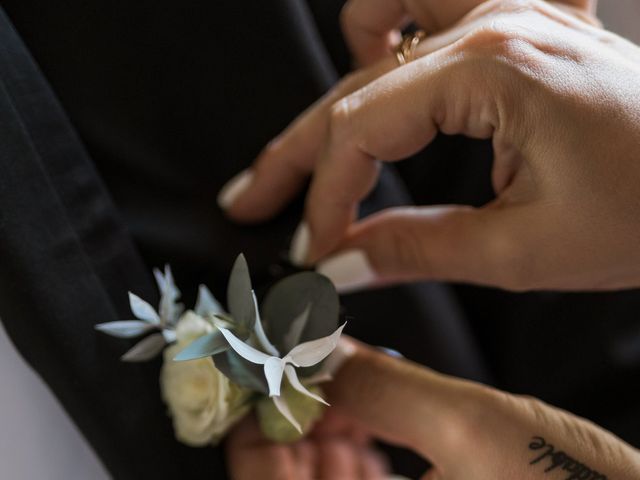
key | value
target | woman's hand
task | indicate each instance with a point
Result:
(469, 431)
(336, 449)
(372, 27)
(464, 429)
(557, 95)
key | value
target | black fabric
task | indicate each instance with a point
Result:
(168, 101)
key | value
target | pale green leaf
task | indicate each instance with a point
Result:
(205, 346)
(240, 294)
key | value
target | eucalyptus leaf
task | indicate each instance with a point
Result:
(292, 338)
(241, 371)
(240, 295)
(146, 349)
(288, 299)
(205, 346)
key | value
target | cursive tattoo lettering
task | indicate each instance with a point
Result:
(547, 454)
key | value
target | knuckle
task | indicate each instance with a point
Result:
(499, 38)
(342, 113)
(533, 408)
(475, 409)
(339, 114)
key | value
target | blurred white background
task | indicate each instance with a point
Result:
(621, 16)
(37, 439)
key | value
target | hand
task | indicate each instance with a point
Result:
(557, 95)
(372, 27)
(469, 431)
(336, 449)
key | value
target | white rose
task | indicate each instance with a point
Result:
(191, 326)
(204, 404)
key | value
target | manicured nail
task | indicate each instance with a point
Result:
(234, 188)
(391, 352)
(349, 270)
(300, 245)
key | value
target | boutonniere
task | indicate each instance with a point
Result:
(219, 364)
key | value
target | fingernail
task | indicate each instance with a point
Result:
(300, 245)
(390, 352)
(234, 188)
(349, 270)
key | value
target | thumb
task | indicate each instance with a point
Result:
(401, 402)
(455, 243)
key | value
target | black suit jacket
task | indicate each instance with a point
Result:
(113, 145)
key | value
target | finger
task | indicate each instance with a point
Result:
(371, 27)
(284, 166)
(374, 465)
(453, 243)
(403, 403)
(337, 459)
(433, 474)
(589, 6)
(306, 459)
(269, 461)
(390, 119)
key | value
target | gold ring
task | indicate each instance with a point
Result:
(406, 49)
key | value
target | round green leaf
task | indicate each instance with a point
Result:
(287, 300)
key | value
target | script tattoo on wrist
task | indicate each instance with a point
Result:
(560, 460)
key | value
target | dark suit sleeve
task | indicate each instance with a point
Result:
(65, 265)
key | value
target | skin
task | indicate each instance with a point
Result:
(465, 429)
(555, 93)
(558, 97)
(337, 449)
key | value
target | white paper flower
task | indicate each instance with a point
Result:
(163, 321)
(203, 403)
(276, 366)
